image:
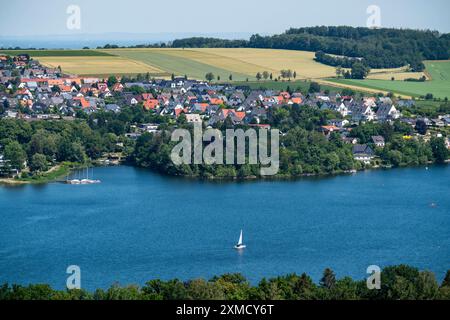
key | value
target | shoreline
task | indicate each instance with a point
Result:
(65, 169)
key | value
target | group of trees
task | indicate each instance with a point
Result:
(265, 75)
(304, 149)
(380, 48)
(359, 68)
(41, 144)
(397, 283)
(398, 150)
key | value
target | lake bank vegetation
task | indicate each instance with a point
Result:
(397, 283)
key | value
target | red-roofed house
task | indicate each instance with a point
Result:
(151, 104)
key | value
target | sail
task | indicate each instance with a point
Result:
(240, 239)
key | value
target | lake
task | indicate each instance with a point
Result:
(138, 226)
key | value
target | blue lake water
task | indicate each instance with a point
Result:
(138, 226)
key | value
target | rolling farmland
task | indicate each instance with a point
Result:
(100, 65)
(439, 85)
(241, 64)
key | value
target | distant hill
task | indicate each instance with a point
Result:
(378, 48)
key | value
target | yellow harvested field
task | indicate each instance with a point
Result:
(86, 65)
(220, 61)
(241, 63)
(274, 60)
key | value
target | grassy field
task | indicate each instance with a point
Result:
(99, 66)
(439, 85)
(174, 61)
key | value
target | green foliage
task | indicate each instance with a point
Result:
(439, 149)
(38, 163)
(15, 155)
(397, 283)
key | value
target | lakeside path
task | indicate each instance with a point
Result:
(53, 174)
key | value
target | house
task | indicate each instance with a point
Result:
(342, 109)
(327, 130)
(193, 118)
(340, 123)
(446, 120)
(112, 108)
(387, 112)
(378, 141)
(363, 153)
(438, 122)
(350, 140)
(149, 127)
(363, 113)
(151, 104)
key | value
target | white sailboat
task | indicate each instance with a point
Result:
(240, 245)
(84, 181)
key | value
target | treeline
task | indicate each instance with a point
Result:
(336, 61)
(397, 283)
(380, 48)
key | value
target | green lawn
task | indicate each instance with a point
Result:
(177, 65)
(57, 53)
(439, 86)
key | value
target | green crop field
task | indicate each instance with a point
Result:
(172, 62)
(439, 85)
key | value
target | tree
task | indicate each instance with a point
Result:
(112, 80)
(314, 87)
(446, 281)
(294, 74)
(258, 76)
(209, 76)
(328, 279)
(230, 77)
(38, 163)
(218, 78)
(172, 76)
(360, 71)
(421, 127)
(15, 155)
(265, 75)
(339, 72)
(440, 151)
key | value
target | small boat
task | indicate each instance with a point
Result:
(74, 181)
(240, 245)
(84, 181)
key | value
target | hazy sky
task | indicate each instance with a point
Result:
(48, 17)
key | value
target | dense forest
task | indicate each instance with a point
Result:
(397, 283)
(379, 48)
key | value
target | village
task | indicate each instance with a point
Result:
(33, 92)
